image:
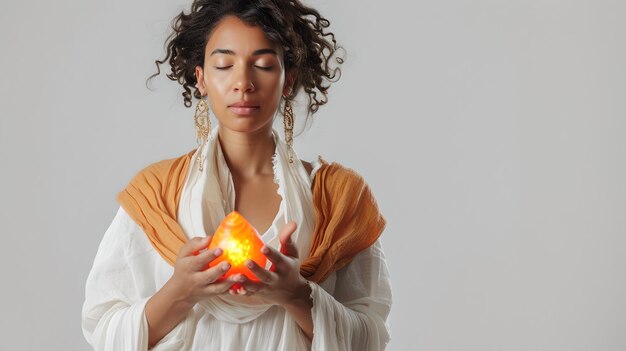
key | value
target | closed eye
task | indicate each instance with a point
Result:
(269, 68)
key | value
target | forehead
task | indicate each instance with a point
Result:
(234, 34)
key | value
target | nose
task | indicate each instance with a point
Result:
(243, 81)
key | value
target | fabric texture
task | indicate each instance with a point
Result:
(350, 304)
(347, 218)
(350, 308)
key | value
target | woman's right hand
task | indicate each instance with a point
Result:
(192, 281)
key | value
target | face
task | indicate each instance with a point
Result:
(241, 66)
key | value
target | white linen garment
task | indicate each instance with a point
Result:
(350, 308)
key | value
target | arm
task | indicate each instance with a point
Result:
(354, 317)
(116, 304)
(189, 283)
(164, 311)
(300, 310)
(113, 310)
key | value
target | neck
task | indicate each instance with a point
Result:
(247, 155)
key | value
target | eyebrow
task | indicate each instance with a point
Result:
(257, 52)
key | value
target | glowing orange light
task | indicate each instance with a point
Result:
(240, 242)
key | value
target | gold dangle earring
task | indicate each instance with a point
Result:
(288, 122)
(202, 123)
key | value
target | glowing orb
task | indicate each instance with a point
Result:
(240, 242)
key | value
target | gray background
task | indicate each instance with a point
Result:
(490, 131)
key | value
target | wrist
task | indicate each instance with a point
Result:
(301, 296)
(173, 293)
(300, 307)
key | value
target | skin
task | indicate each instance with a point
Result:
(248, 146)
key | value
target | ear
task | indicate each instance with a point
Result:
(200, 80)
(290, 79)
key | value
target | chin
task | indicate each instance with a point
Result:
(246, 125)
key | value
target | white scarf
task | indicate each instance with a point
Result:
(208, 196)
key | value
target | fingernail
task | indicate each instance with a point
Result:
(265, 250)
(218, 251)
(249, 263)
(225, 266)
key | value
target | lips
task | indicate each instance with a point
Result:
(244, 108)
(244, 104)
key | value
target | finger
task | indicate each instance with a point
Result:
(244, 285)
(214, 273)
(261, 273)
(203, 259)
(287, 245)
(193, 246)
(238, 279)
(239, 290)
(277, 258)
(243, 290)
(220, 287)
(252, 286)
(234, 290)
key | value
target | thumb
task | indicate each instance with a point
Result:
(193, 246)
(287, 246)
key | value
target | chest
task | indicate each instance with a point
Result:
(258, 201)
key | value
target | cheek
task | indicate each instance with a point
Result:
(273, 86)
(216, 84)
(266, 81)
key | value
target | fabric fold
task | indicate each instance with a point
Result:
(347, 217)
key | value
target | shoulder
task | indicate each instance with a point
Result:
(165, 177)
(334, 169)
(340, 182)
(118, 236)
(340, 173)
(311, 168)
(166, 165)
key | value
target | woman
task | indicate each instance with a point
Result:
(327, 287)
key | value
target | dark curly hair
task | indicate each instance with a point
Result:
(297, 28)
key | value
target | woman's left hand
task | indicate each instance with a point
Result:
(282, 284)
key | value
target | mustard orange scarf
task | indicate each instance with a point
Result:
(347, 216)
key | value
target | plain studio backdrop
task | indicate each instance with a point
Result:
(491, 132)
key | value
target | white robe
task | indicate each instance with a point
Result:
(350, 308)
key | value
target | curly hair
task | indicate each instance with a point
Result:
(297, 28)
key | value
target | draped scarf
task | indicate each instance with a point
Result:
(336, 213)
